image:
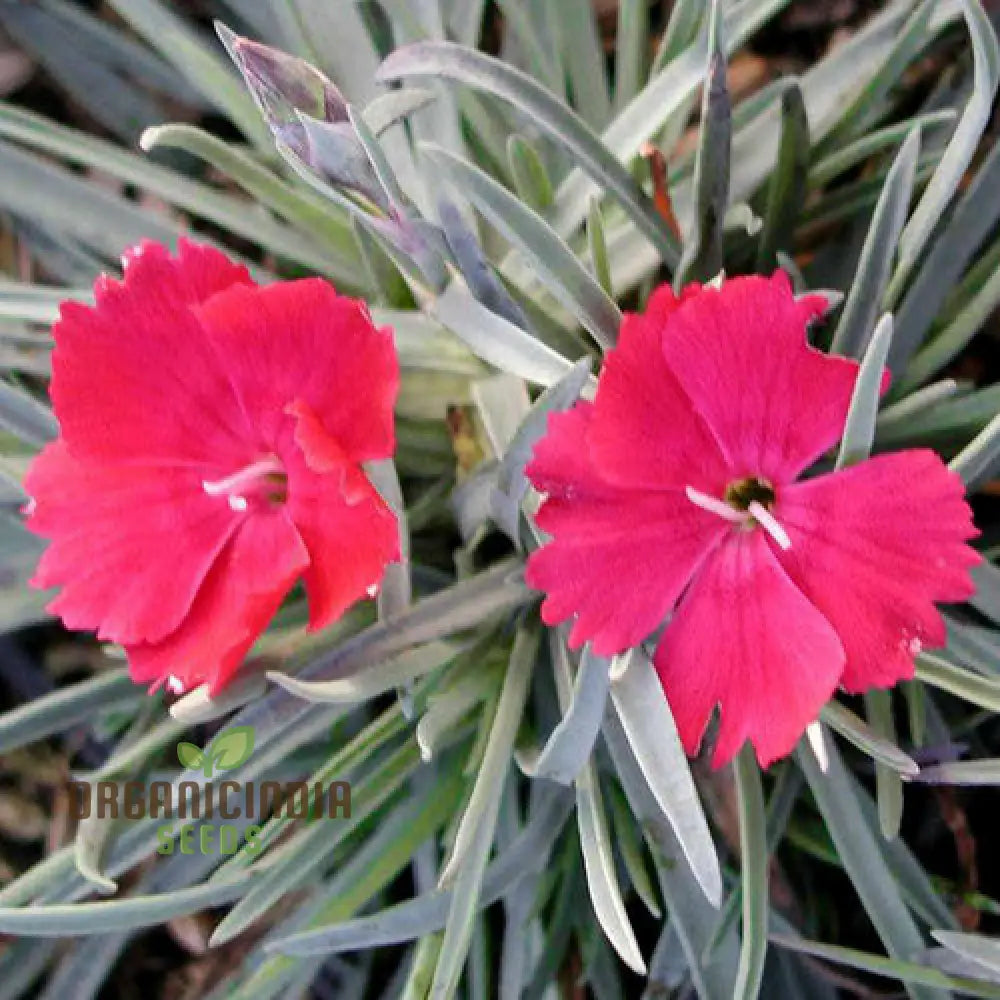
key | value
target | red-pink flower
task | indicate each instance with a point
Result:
(675, 494)
(212, 435)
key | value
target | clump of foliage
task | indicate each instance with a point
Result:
(499, 211)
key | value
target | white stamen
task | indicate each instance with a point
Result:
(817, 743)
(237, 503)
(714, 505)
(768, 522)
(231, 484)
(175, 685)
(372, 591)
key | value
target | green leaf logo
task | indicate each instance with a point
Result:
(229, 749)
(189, 755)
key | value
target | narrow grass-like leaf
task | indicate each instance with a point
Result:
(874, 264)
(646, 718)
(876, 746)
(472, 262)
(599, 247)
(497, 755)
(916, 976)
(907, 45)
(976, 947)
(973, 219)
(888, 786)
(569, 746)
(950, 341)
(963, 772)
(69, 706)
(956, 680)
(389, 109)
(960, 150)
(787, 191)
(855, 153)
(512, 483)
(306, 852)
(110, 916)
(530, 233)
(753, 875)
(692, 915)
(631, 50)
(980, 458)
(527, 855)
(702, 257)
(599, 865)
(584, 57)
(475, 69)
(898, 413)
(466, 866)
(863, 860)
(859, 431)
(531, 179)
(397, 671)
(631, 849)
(26, 418)
(205, 68)
(497, 341)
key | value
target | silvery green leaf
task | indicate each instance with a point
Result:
(388, 109)
(787, 190)
(173, 38)
(109, 916)
(480, 813)
(980, 458)
(631, 51)
(531, 179)
(531, 234)
(511, 482)
(503, 402)
(646, 718)
(448, 704)
(864, 861)
(852, 728)
(859, 431)
(959, 151)
(24, 417)
(396, 671)
(475, 69)
(874, 264)
(949, 342)
(476, 269)
(585, 62)
(66, 707)
(753, 875)
(920, 980)
(599, 866)
(702, 257)
(333, 150)
(962, 772)
(526, 856)
(941, 673)
(497, 341)
(842, 160)
(582, 700)
(888, 787)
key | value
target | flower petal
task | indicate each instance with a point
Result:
(619, 558)
(873, 547)
(645, 432)
(110, 527)
(347, 528)
(236, 602)
(774, 403)
(134, 378)
(746, 639)
(301, 340)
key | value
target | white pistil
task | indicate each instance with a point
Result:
(175, 685)
(237, 503)
(714, 505)
(769, 523)
(817, 743)
(232, 484)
